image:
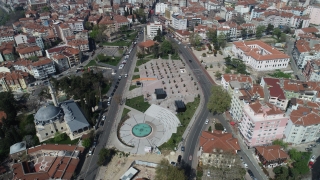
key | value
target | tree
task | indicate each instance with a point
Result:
(281, 143)
(283, 37)
(105, 155)
(165, 171)
(166, 47)
(218, 74)
(219, 126)
(195, 39)
(269, 28)
(227, 71)
(219, 100)
(158, 37)
(212, 36)
(221, 40)
(259, 31)
(140, 55)
(295, 154)
(243, 32)
(29, 140)
(210, 129)
(239, 19)
(86, 142)
(276, 32)
(34, 58)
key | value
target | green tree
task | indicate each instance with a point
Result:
(259, 31)
(222, 40)
(218, 74)
(283, 37)
(219, 100)
(195, 39)
(227, 71)
(276, 32)
(86, 142)
(166, 47)
(269, 28)
(165, 171)
(34, 58)
(281, 143)
(212, 36)
(243, 32)
(105, 155)
(210, 129)
(219, 126)
(140, 55)
(295, 154)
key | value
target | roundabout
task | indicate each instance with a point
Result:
(148, 130)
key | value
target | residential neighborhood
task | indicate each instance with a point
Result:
(170, 89)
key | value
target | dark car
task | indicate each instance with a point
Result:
(182, 148)
(179, 159)
(312, 145)
(250, 173)
(308, 149)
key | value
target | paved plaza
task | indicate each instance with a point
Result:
(149, 129)
(172, 77)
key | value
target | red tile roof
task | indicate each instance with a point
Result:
(270, 153)
(42, 62)
(274, 88)
(305, 116)
(147, 43)
(218, 140)
(237, 77)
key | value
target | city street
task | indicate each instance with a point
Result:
(191, 142)
(90, 168)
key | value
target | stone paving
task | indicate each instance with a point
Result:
(172, 76)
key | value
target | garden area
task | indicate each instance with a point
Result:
(184, 118)
(280, 74)
(91, 63)
(138, 103)
(61, 138)
(236, 65)
(113, 61)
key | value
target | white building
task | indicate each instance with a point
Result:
(76, 26)
(179, 22)
(161, 8)
(29, 41)
(43, 68)
(303, 125)
(152, 29)
(259, 55)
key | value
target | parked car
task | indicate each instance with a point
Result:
(250, 173)
(245, 165)
(179, 159)
(312, 145)
(126, 75)
(208, 174)
(91, 151)
(182, 148)
(313, 158)
(120, 77)
(103, 118)
(173, 163)
(207, 121)
(308, 149)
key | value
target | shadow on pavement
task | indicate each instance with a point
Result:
(188, 170)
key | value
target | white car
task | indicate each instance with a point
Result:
(108, 103)
(121, 66)
(103, 118)
(207, 121)
(313, 158)
(245, 165)
(208, 174)
(126, 75)
(179, 43)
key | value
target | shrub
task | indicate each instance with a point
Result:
(204, 54)
(219, 126)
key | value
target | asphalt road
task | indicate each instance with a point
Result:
(189, 156)
(90, 167)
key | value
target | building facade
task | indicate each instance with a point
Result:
(43, 68)
(179, 22)
(152, 29)
(259, 55)
(262, 123)
(311, 71)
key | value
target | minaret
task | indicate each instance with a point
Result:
(53, 96)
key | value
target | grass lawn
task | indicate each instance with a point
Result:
(138, 103)
(117, 43)
(91, 63)
(67, 140)
(125, 112)
(132, 87)
(135, 77)
(133, 36)
(184, 120)
(109, 60)
(142, 61)
(280, 74)
(136, 69)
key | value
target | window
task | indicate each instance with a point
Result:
(61, 128)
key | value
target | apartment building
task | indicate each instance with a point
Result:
(299, 89)
(259, 55)
(82, 45)
(215, 146)
(262, 123)
(152, 29)
(14, 81)
(35, 4)
(314, 14)
(303, 125)
(311, 70)
(160, 8)
(27, 52)
(61, 62)
(179, 22)
(273, 92)
(29, 40)
(304, 51)
(43, 68)
(64, 31)
(76, 25)
(6, 34)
